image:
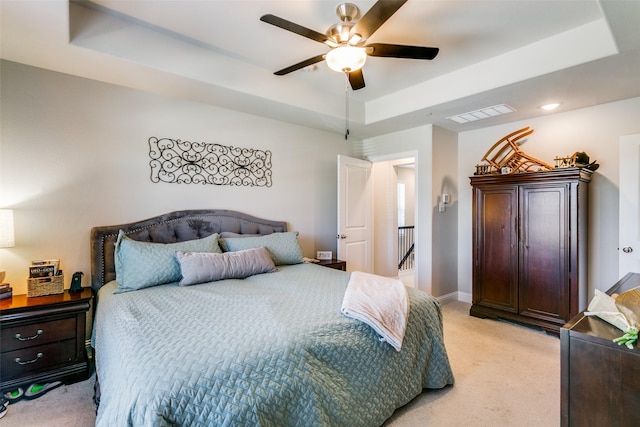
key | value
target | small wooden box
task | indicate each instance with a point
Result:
(40, 286)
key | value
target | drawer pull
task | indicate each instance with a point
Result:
(19, 336)
(26, 362)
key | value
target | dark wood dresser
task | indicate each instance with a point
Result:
(600, 380)
(43, 339)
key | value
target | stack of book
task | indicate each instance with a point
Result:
(6, 291)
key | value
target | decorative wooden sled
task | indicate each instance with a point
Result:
(507, 154)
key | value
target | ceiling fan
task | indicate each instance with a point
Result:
(347, 40)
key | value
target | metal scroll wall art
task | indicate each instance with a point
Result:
(185, 162)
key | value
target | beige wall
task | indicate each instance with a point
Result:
(407, 175)
(416, 143)
(74, 155)
(435, 154)
(445, 224)
(595, 130)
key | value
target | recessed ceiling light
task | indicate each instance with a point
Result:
(483, 113)
(550, 106)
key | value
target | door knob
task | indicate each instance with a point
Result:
(341, 236)
(627, 249)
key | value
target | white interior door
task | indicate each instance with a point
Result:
(355, 214)
(629, 232)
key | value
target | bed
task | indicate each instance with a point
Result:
(260, 347)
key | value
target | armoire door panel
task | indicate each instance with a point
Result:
(497, 249)
(543, 255)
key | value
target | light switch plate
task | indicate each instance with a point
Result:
(324, 255)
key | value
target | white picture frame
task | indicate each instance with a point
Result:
(324, 255)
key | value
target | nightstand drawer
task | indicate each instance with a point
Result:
(34, 334)
(36, 359)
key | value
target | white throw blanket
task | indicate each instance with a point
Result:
(380, 302)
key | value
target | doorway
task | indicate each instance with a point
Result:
(629, 212)
(406, 223)
(394, 205)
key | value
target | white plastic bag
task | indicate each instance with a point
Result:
(604, 306)
(621, 312)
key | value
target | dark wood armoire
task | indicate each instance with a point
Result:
(530, 246)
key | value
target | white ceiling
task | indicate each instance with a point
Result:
(521, 53)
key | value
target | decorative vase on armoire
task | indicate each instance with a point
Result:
(530, 246)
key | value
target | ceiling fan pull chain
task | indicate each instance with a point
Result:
(346, 107)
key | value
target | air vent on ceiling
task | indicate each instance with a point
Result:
(483, 113)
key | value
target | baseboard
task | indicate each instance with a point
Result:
(455, 296)
(410, 272)
(448, 298)
(464, 297)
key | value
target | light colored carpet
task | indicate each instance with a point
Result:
(506, 375)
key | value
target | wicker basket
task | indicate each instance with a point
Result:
(40, 286)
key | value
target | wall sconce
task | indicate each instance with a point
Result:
(7, 236)
(444, 201)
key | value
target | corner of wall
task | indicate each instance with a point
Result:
(445, 223)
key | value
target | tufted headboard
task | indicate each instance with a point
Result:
(170, 228)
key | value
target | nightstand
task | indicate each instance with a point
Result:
(42, 339)
(334, 263)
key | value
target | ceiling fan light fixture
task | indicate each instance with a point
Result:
(339, 33)
(347, 40)
(355, 39)
(346, 58)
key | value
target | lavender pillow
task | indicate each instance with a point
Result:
(201, 267)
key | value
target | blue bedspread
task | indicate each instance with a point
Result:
(269, 350)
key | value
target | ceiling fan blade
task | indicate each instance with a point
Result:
(294, 28)
(356, 79)
(375, 17)
(401, 51)
(300, 65)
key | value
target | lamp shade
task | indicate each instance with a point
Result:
(7, 237)
(346, 58)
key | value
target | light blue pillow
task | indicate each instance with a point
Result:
(144, 264)
(283, 248)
